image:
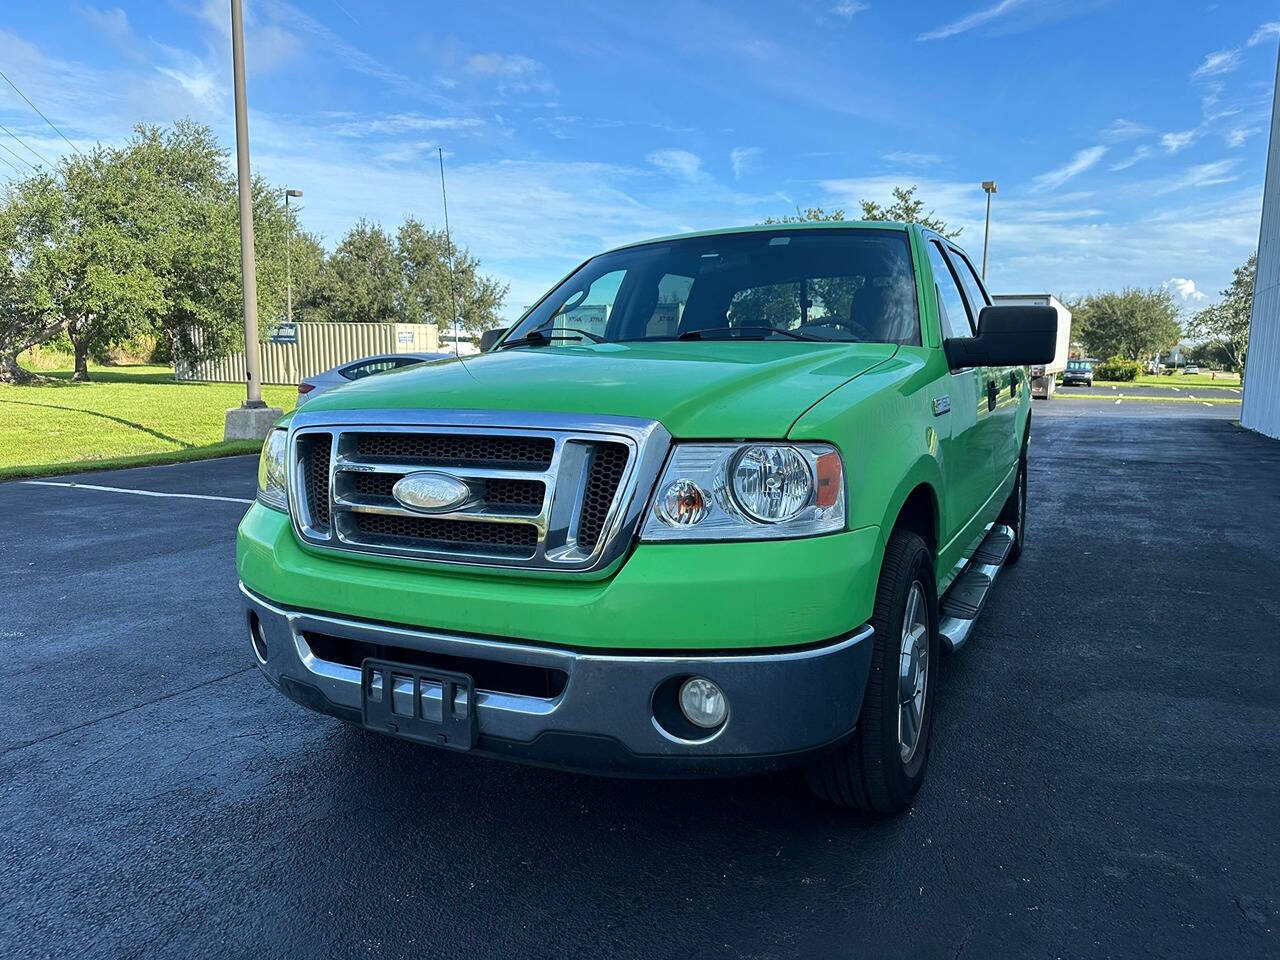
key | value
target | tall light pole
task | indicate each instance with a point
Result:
(253, 418)
(990, 187)
(288, 256)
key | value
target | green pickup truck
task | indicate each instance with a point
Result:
(716, 504)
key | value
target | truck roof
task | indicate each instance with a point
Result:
(774, 227)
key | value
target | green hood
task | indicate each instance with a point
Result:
(695, 389)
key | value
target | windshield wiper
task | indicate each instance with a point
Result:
(536, 338)
(698, 334)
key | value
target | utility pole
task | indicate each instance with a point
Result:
(990, 187)
(253, 419)
(288, 256)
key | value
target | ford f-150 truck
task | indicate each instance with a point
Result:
(716, 504)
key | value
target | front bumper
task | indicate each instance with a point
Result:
(784, 706)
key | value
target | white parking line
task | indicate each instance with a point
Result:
(1206, 403)
(139, 493)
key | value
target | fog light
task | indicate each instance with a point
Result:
(703, 703)
(256, 639)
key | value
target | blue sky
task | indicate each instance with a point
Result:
(1128, 138)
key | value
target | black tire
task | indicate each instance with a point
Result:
(868, 773)
(1014, 514)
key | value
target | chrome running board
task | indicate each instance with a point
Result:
(966, 597)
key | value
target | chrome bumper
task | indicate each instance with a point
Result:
(782, 705)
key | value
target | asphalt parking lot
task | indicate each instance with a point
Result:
(1105, 776)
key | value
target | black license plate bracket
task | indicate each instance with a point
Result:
(418, 703)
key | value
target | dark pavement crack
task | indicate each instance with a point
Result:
(111, 716)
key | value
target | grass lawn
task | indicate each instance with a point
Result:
(1187, 380)
(1144, 397)
(127, 416)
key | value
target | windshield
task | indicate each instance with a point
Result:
(1079, 365)
(832, 285)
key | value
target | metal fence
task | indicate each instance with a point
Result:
(304, 349)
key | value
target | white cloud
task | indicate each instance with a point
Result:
(1201, 175)
(1082, 161)
(975, 19)
(848, 8)
(1184, 288)
(1237, 137)
(201, 84)
(1218, 62)
(1265, 32)
(1122, 129)
(1139, 153)
(905, 158)
(682, 163)
(352, 125)
(742, 159)
(515, 72)
(1177, 140)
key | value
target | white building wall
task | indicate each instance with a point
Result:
(1261, 407)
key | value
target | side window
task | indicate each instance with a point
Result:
(969, 280)
(952, 310)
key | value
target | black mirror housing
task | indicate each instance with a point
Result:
(490, 337)
(1009, 335)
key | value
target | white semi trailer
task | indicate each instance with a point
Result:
(1043, 378)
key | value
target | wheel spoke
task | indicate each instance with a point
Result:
(910, 725)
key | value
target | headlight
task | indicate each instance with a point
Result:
(752, 491)
(271, 471)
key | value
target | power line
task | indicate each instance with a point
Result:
(11, 166)
(37, 110)
(29, 149)
(14, 153)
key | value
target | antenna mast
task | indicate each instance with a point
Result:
(453, 292)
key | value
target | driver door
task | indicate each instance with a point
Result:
(963, 432)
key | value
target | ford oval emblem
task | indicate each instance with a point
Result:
(430, 492)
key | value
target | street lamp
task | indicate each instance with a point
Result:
(253, 419)
(990, 187)
(288, 261)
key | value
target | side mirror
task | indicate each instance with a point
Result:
(490, 337)
(1011, 335)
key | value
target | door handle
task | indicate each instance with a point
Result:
(991, 394)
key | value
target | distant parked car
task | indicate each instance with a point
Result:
(1078, 372)
(1191, 368)
(358, 370)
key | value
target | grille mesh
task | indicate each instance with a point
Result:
(506, 539)
(443, 449)
(374, 484)
(517, 496)
(608, 463)
(317, 451)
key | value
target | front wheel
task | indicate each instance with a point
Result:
(1014, 514)
(879, 770)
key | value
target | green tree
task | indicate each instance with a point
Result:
(110, 293)
(905, 207)
(1226, 323)
(31, 270)
(1132, 323)
(361, 281)
(187, 209)
(437, 274)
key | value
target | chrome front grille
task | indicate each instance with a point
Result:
(546, 491)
